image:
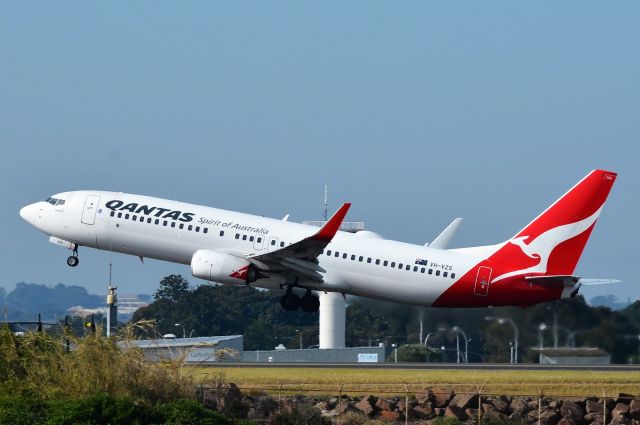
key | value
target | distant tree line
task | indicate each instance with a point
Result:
(224, 310)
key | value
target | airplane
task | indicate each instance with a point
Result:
(535, 265)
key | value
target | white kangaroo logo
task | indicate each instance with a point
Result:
(542, 246)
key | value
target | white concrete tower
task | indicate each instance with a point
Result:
(333, 310)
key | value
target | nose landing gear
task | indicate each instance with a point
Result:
(73, 260)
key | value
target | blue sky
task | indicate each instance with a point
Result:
(417, 112)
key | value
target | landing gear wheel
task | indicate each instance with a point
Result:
(290, 301)
(73, 261)
(310, 303)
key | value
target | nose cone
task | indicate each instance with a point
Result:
(29, 213)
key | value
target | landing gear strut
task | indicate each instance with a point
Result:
(290, 301)
(73, 260)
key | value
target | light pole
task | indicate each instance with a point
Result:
(184, 334)
(459, 331)
(395, 352)
(541, 329)
(503, 320)
(299, 337)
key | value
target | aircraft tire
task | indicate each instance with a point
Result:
(290, 302)
(310, 303)
(73, 261)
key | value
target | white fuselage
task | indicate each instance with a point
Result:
(173, 231)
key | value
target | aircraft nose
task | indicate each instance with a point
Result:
(29, 213)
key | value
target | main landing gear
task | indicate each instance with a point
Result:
(309, 303)
(73, 260)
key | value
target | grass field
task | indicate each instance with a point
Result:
(313, 381)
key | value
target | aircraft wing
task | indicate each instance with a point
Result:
(301, 258)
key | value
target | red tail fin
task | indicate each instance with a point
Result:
(553, 242)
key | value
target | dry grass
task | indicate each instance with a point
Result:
(391, 381)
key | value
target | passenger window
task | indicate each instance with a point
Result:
(244, 237)
(190, 228)
(408, 267)
(415, 268)
(141, 219)
(399, 266)
(337, 254)
(273, 242)
(281, 244)
(126, 216)
(157, 221)
(222, 233)
(181, 225)
(197, 228)
(251, 238)
(369, 260)
(329, 252)
(377, 262)
(119, 215)
(113, 213)
(360, 258)
(437, 272)
(344, 255)
(453, 275)
(134, 217)
(385, 263)
(353, 257)
(149, 221)
(205, 230)
(430, 271)
(164, 223)
(393, 264)
(444, 274)
(237, 236)
(173, 224)
(422, 270)
(259, 239)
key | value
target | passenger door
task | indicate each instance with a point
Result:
(483, 280)
(89, 210)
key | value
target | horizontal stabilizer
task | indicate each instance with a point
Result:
(443, 239)
(590, 282)
(557, 280)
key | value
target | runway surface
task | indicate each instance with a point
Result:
(427, 366)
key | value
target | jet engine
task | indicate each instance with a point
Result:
(222, 268)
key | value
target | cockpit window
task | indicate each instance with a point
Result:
(55, 201)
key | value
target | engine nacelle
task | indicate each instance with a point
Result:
(222, 268)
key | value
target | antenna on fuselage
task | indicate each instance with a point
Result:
(326, 203)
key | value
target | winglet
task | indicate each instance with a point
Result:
(329, 230)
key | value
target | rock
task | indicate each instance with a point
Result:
(624, 398)
(549, 417)
(568, 420)
(571, 408)
(472, 413)
(516, 417)
(555, 404)
(620, 420)
(423, 411)
(344, 407)
(262, 407)
(620, 409)
(501, 404)
(465, 400)
(439, 411)
(634, 409)
(365, 407)
(383, 404)
(594, 406)
(456, 412)
(593, 417)
(495, 414)
(389, 416)
(424, 397)
(520, 406)
(441, 399)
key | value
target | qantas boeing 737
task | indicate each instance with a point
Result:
(535, 265)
